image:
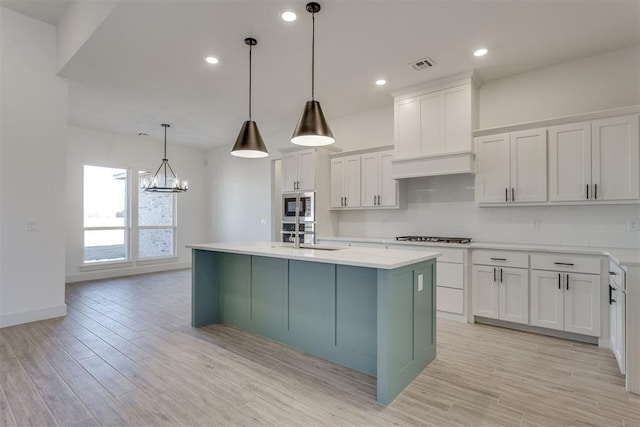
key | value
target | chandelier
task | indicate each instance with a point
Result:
(165, 179)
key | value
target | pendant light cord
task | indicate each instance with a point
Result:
(250, 82)
(313, 55)
(165, 142)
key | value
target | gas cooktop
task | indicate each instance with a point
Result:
(433, 239)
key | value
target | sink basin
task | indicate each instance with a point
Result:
(310, 246)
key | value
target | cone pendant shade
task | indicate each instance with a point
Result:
(249, 143)
(312, 129)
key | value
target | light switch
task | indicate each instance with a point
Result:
(420, 282)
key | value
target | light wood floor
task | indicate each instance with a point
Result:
(126, 355)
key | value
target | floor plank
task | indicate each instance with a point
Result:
(126, 355)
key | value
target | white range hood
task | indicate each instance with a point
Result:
(434, 164)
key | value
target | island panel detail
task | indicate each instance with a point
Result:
(376, 321)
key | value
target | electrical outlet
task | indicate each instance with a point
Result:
(264, 221)
(535, 224)
(32, 225)
(633, 224)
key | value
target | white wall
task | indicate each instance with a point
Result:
(88, 146)
(33, 110)
(240, 197)
(589, 84)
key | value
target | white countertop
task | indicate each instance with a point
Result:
(385, 259)
(625, 257)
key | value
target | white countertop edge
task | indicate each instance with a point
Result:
(621, 256)
(357, 257)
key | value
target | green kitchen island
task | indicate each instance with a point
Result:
(369, 309)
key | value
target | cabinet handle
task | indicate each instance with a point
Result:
(559, 281)
(498, 259)
(506, 194)
(344, 203)
(494, 275)
(513, 194)
(613, 273)
(501, 281)
(587, 191)
(567, 282)
(345, 200)
(378, 200)
(595, 191)
(611, 300)
(564, 263)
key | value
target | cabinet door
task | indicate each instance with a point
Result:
(456, 112)
(529, 166)
(431, 129)
(582, 304)
(547, 299)
(407, 127)
(615, 161)
(337, 182)
(493, 169)
(485, 291)
(289, 171)
(370, 179)
(514, 294)
(387, 185)
(307, 170)
(352, 181)
(570, 162)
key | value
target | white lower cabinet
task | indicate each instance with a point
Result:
(566, 301)
(501, 293)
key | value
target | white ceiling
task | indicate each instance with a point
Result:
(49, 11)
(144, 65)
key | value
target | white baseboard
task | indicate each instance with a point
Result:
(127, 271)
(13, 319)
(452, 316)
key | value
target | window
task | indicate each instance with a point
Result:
(156, 222)
(106, 219)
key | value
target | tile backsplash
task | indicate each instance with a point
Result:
(444, 206)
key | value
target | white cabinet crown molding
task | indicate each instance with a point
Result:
(361, 151)
(621, 111)
(436, 85)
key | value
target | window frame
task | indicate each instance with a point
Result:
(174, 227)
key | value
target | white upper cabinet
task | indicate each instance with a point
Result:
(345, 182)
(378, 188)
(298, 170)
(438, 122)
(569, 161)
(615, 160)
(596, 160)
(365, 176)
(511, 168)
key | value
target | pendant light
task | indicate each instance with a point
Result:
(249, 143)
(312, 129)
(165, 180)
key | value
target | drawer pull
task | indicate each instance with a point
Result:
(564, 263)
(498, 259)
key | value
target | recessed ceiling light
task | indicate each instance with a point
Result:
(381, 82)
(211, 59)
(288, 16)
(480, 52)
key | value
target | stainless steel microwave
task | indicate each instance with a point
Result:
(307, 206)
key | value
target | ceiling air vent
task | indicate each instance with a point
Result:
(422, 64)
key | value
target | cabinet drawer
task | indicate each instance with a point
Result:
(450, 300)
(448, 254)
(450, 275)
(564, 262)
(501, 258)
